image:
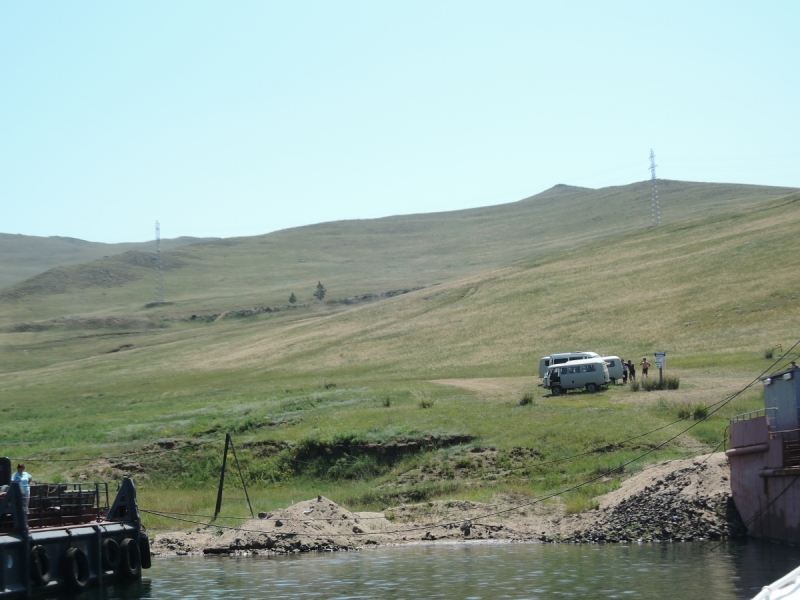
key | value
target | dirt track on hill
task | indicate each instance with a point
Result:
(679, 500)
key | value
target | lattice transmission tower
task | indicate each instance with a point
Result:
(654, 182)
(159, 270)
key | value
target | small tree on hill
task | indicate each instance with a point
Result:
(292, 298)
(320, 293)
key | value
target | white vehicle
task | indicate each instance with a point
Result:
(589, 373)
(558, 359)
(614, 365)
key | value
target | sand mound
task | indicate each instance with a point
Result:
(318, 525)
(674, 500)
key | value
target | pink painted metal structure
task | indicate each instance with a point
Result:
(765, 461)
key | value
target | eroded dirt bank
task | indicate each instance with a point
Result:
(680, 500)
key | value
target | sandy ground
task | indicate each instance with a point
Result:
(670, 501)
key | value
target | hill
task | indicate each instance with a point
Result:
(417, 395)
(25, 256)
(358, 258)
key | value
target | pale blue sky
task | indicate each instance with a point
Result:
(240, 118)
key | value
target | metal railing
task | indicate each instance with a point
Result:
(58, 504)
(754, 414)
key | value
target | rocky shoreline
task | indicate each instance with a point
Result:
(670, 509)
(673, 501)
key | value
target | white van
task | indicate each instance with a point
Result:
(557, 359)
(590, 373)
(614, 365)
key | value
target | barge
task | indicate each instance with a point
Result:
(764, 456)
(68, 538)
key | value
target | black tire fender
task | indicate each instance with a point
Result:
(131, 563)
(111, 554)
(76, 568)
(144, 549)
(40, 566)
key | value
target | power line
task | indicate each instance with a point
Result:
(764, 508)
(439, 524)
(654, 183)
(619, 469)
(159, 270)
(719, 406)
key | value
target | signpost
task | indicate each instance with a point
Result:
(661, 363)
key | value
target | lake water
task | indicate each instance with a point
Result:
(473, 571)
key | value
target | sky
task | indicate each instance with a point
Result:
(240, 118)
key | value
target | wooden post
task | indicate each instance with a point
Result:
(661, 361)
(222, 477)
(246, 495)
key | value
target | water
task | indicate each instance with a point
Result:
(473, 571)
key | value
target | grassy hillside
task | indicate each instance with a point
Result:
(354, 258)
(25, 256)
(416, 395)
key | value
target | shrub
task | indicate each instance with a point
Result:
(362, 467)
(387, 401)
(464, 463)
(768, 353)
(634, 385)
(648, 385)
(527, 398)
(670, 382)
(685, 410)
(579, 503)
(423, 399)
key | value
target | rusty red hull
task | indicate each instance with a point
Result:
(765, 478)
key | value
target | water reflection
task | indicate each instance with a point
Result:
(686, 571)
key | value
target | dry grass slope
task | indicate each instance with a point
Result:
(370, 257)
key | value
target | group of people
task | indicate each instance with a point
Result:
(24, 479)
(629, 369)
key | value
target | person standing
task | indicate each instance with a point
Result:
(645, 365)
(624, 371)
(24, 478)
(631, 371)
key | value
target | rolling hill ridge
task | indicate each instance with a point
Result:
(355, 258)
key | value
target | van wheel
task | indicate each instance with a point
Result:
(591, 388)
(556, 390)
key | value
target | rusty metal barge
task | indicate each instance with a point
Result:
(68, 538)
(764, 457)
